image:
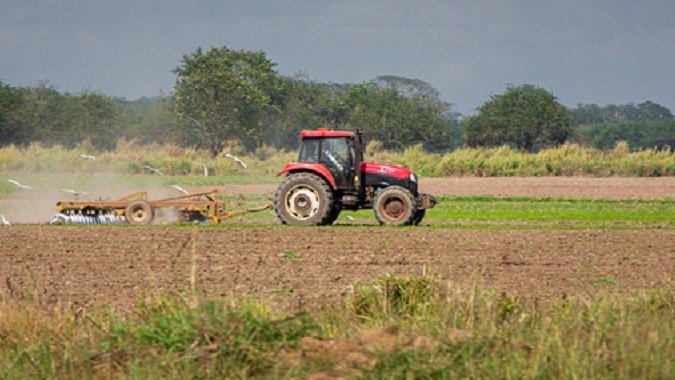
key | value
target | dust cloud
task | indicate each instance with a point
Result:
(39, 205)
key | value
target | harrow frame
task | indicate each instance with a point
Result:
(136, 208)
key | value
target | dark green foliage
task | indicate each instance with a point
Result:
(149, 119)
(224, 94)
(401, 117)
(39, 115)
(594, 114)
(90, 116)
(524, 117)
(658, 134)
(42, 114)
(307, 104)
(397, 111)
(10, 99)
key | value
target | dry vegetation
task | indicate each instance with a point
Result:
(129, 157)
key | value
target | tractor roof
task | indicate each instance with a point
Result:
(325, 132)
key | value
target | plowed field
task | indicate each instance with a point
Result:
(309, 267)
(300, 266)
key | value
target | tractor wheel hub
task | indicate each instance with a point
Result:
(303, 202)
(394, 208)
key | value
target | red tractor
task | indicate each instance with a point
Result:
(331, 176)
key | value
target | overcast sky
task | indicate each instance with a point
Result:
(610, 51)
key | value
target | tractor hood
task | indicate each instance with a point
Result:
(398, 172)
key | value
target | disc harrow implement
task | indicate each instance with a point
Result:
(136, 208)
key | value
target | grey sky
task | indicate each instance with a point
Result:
(583, 51)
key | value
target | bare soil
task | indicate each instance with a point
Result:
(569, 187)
(117, 266)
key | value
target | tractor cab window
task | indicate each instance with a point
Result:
(335, 152)
(335, 155)
(309, 150)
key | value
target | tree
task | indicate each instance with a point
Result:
(396, 120)
(38, 114)
(659, 134)
(401, 112)
(524, 117)
(148, 119)
(612, 113)
(9, 127)
(437, 115)
(409, 87)
(224, 94)
(41, 113)
(397, 111)
(652, 111)
(306, 104)
(90, 116)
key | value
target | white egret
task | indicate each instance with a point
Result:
(20, 185)
(236, 159)
(180, 189)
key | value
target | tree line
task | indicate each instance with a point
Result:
(223, 95)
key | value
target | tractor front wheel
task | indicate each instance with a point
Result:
(395, 206)
(304, 199)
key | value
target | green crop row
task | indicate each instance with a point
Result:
(463, 212)
(391, 327)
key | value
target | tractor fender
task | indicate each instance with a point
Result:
(317, 169)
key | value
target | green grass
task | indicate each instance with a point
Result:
(600, 335)
(460, 212)
(551, 209)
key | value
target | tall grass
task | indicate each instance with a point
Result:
(601, 335)
(567, 160)
(130, 157)
(470, 333)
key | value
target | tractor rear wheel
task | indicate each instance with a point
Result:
(304, 199)
(139, 211)
(395, 206)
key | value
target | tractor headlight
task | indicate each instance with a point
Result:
(413, 178)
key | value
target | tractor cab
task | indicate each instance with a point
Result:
(340, 152)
